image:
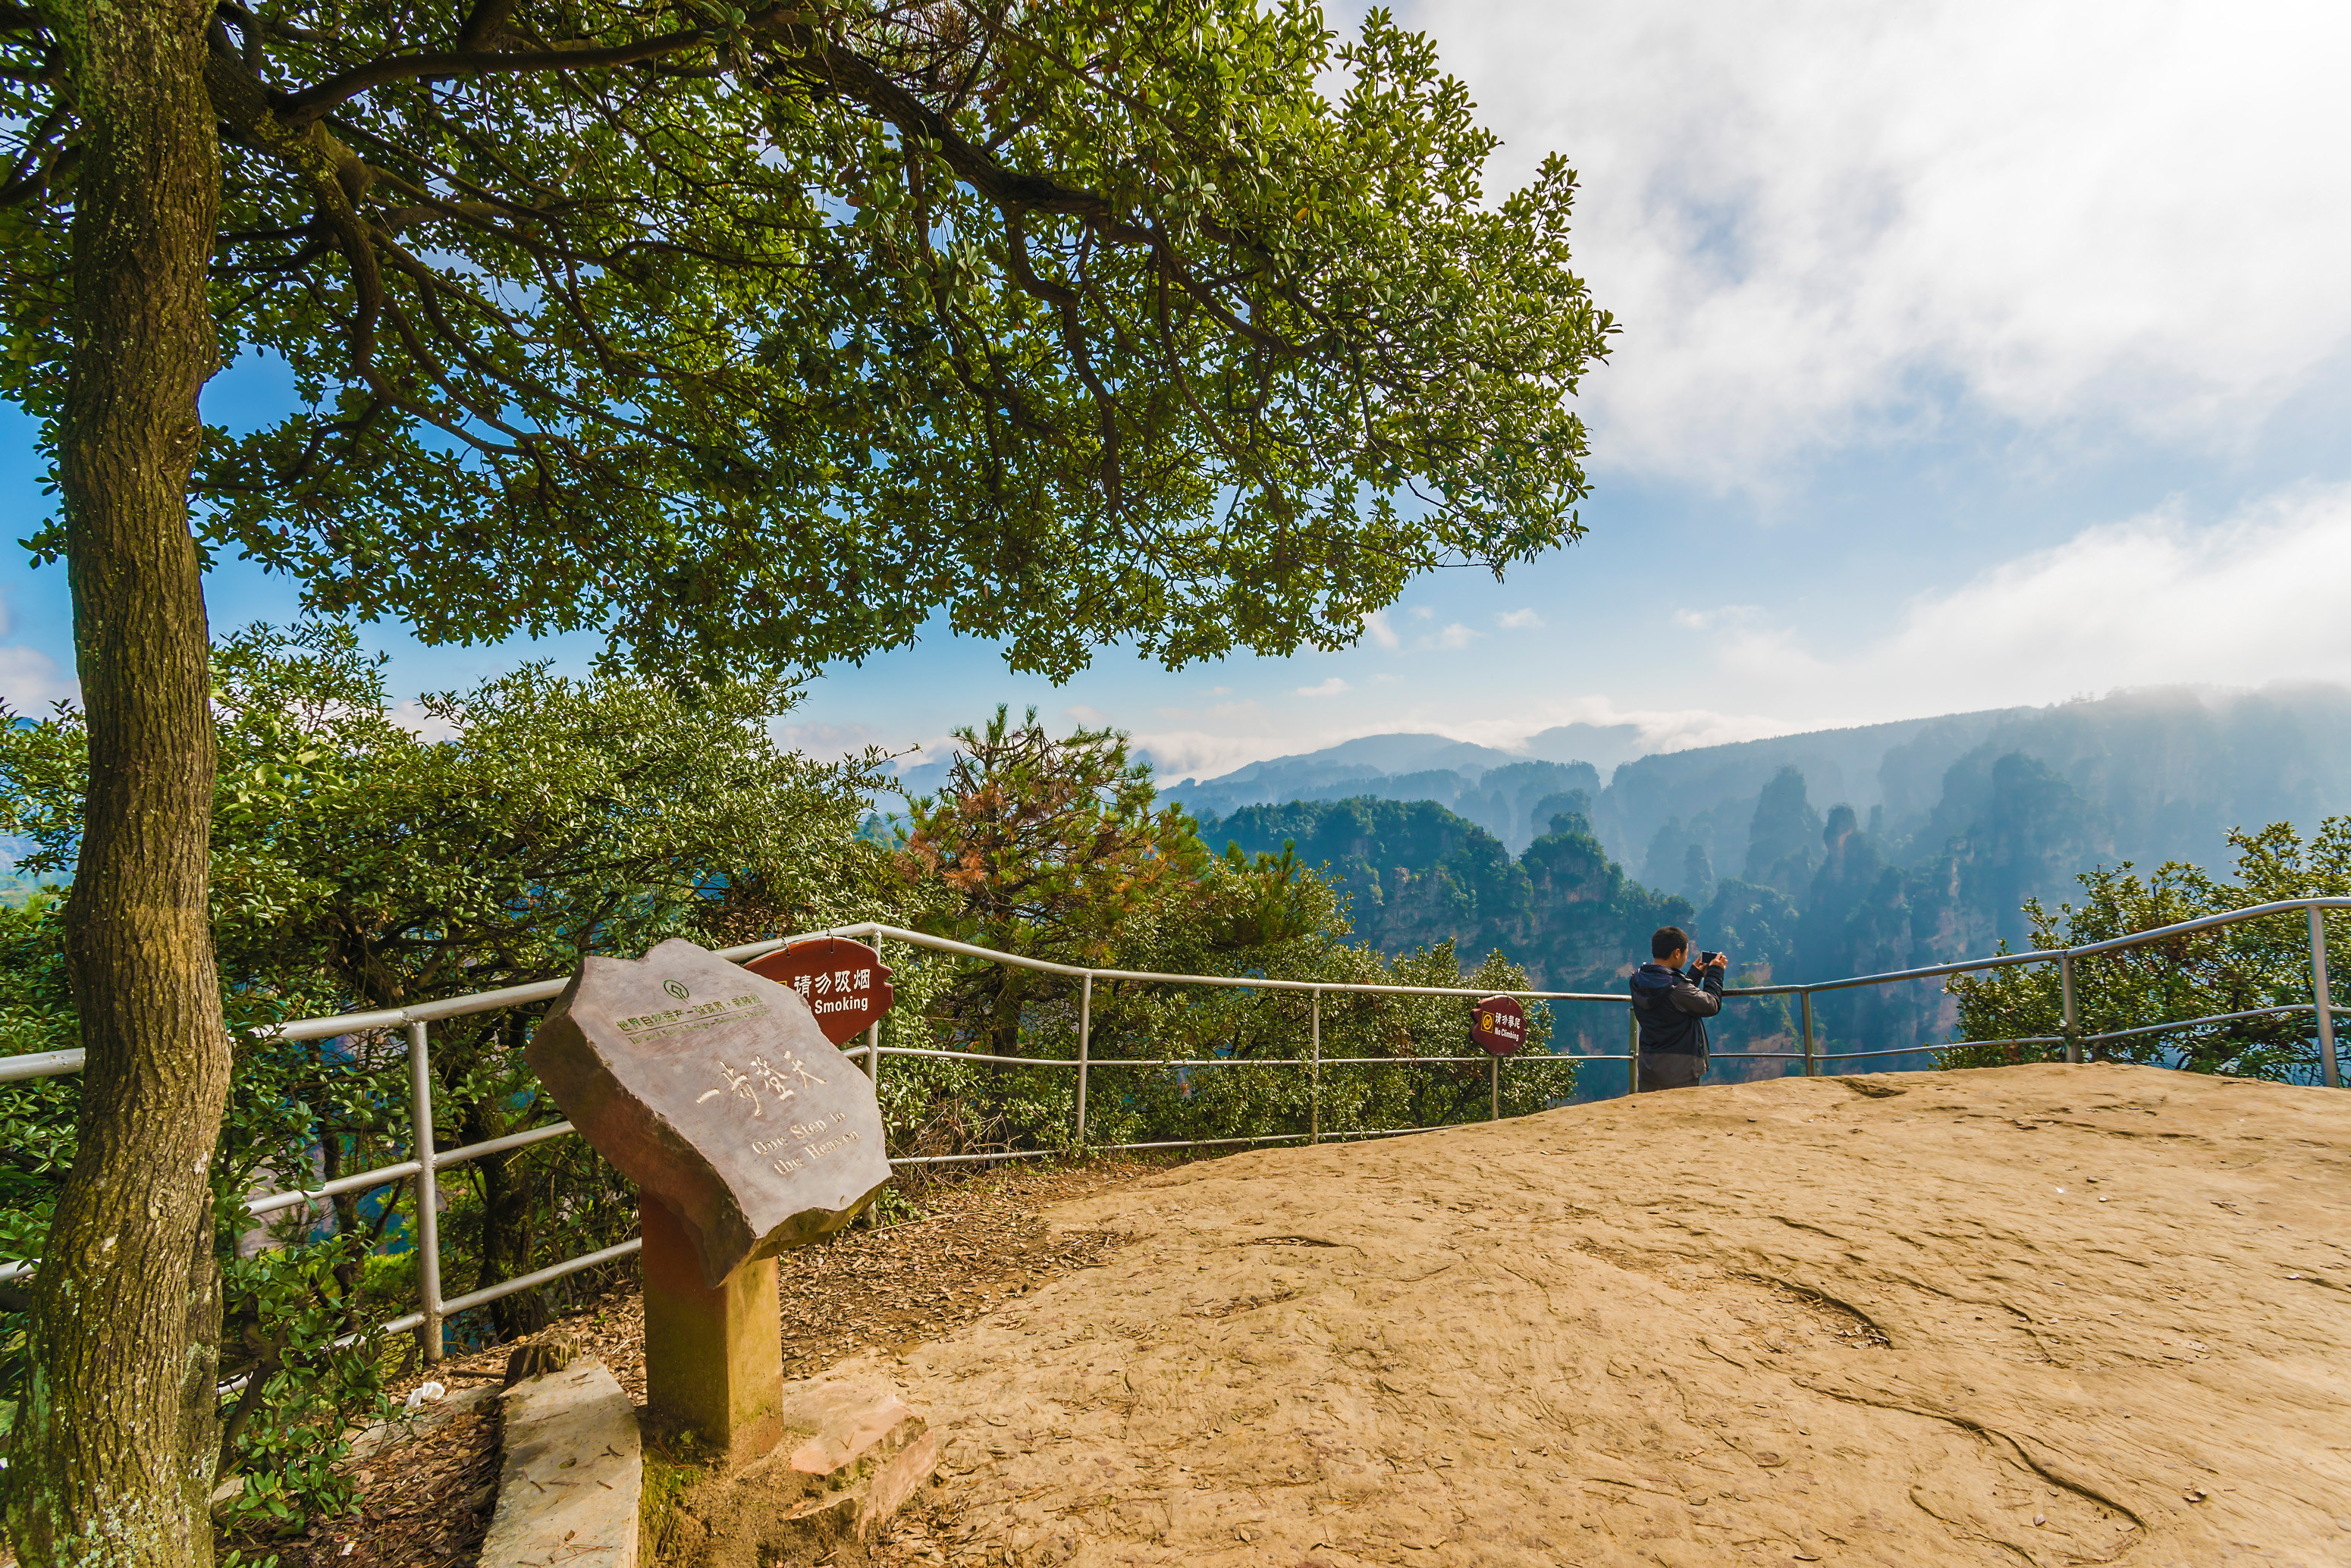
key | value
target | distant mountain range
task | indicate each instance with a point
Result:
(1807, 857)
(1460, 775)
(2169, 771)
(1598, 746)
(1381, 764)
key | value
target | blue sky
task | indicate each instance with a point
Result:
(1973, 355)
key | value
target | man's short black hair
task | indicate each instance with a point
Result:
(1669, 941)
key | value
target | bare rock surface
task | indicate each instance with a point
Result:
(854, 1452)
(2043, 1314)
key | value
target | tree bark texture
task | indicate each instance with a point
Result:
(111, 1458)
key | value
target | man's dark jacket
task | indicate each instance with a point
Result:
(1670, 1007)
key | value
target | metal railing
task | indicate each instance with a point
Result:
(426, 1163)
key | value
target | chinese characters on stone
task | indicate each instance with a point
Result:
(779, 1078)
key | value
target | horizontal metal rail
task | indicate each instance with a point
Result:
(537, 1278)
(2200, 1023)
(1862, 1055)
(2206, 923)
(1209, 1142)
(445, 1158)
(40, 1064)
(1101, 1061)
(1931, 972)
(427, 1162)
(260, 1207)
(1385, 1132)
(977, 1056)
(974, 1159)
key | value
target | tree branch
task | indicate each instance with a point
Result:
(312, 103)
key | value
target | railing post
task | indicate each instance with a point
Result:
(1633, 1049)
(2073, 1029)
(1085, 1037)
(1495, 1067)
(873, 1048)
(1314, 1083)
(428, 1189)
(2329, 1073)
(1812, 1056)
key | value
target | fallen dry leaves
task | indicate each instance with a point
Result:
(423, 1503)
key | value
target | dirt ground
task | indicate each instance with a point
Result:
(981, 1243)
(2042, 1314)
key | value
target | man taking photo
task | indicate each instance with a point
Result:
(1670, 1006)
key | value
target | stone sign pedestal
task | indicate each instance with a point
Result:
(746, 1131)
(714, 1358)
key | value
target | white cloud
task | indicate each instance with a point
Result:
(1201, 754)
(1377, 627)
(1455, 636)
(1091, 717)
(1228, 736)
(1518, 620)
(30, 681)
(825, 742)
(1422, 613)
(2150, 601)
(1718, 616)
(1237, 733)
(426, 726)
(1830, 220)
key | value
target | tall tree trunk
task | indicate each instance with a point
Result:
(111, 1458)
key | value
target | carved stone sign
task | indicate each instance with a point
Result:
(1499, 1024)
(844, 983)
(717, 1092)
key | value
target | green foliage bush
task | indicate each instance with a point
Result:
(283, 1433)
(1057, 849)
(2250, 967)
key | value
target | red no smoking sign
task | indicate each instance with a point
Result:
(844, 983)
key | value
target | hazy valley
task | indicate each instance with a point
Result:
(1806, 856)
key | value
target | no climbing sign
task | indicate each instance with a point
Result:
(1499, 1024)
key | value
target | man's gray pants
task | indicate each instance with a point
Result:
(1669, 1070)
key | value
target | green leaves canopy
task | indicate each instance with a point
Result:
(357, 864)
(754, 336)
